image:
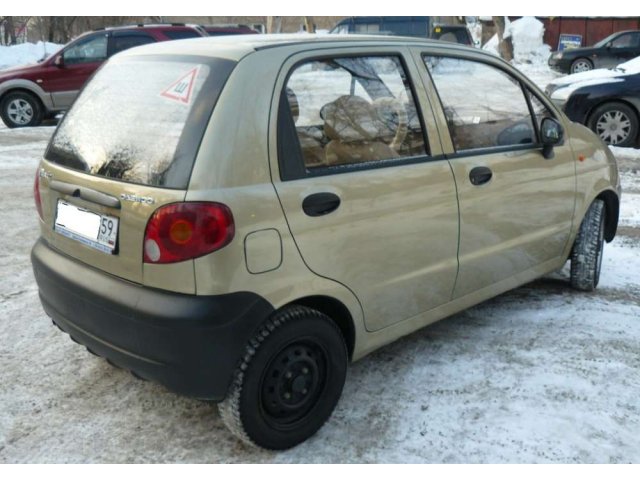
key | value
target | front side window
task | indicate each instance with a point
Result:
(485, 107)
(353, 110)
(90, 50)
(626, 41)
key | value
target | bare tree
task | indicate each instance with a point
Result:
(505, 46)
(9, 31)
(308, 25)
(274, 24)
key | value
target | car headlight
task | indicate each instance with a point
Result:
(557, 55)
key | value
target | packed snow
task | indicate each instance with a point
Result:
(25, 53)
(526, 34)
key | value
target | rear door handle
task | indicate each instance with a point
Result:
(480, 175)
(320, 204)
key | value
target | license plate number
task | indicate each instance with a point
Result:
(89, 228)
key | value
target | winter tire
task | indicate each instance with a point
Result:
(21, 109)
(615, 123)
(581, 65)
(289, 380)
(586, 256)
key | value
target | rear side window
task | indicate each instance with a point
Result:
(124, 42)
(181, 34)
(141, 119)
(485, 107)
(353, 110)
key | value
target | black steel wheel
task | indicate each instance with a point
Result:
(289, 381)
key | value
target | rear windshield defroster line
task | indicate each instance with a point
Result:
(141, 119)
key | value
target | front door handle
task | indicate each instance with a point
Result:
(480, 175)
(320, 204)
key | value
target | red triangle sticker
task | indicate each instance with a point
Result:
(182, 88)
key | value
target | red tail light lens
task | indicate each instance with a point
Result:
(36, 194)
(182, 231)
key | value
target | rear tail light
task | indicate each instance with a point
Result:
(182, 231)
(36, 194)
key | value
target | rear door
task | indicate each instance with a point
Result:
(126, 148)
(369, 199)
(516, 207)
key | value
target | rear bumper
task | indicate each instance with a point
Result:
(191, 344)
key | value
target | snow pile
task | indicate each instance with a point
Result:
(25, 53)
(526, 34)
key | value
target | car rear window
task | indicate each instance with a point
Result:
(141, 119)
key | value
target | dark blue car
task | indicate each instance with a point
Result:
(606, 101)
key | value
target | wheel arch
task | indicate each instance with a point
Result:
(633, 106)
(31, 88)
(612, 213)
(337, 311)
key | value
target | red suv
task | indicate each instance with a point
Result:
(29, 94)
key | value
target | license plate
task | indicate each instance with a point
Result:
(91, 229)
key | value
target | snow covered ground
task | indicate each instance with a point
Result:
(540, 374)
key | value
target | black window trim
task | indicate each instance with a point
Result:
(289, 163)
(523, 86)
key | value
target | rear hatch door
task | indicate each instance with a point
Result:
(126, 148)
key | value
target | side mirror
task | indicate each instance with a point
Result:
(551, 134)
(59, 61)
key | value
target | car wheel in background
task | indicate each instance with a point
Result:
(615, 123)
(581, 65)
(21, 109)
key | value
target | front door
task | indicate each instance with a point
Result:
(516, 206)
(370, 203)
(79, 61)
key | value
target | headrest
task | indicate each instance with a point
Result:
(350, 118)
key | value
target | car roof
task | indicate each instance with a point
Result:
(237, 46)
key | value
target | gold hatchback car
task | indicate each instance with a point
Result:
(238, 218)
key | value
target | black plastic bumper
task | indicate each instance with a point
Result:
(562, 65)
(191, 344)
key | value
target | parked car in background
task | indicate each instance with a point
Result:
(217, 30)
(30, 94)
(617, 48)
(240, 237)
(606, 101)
(421, 27)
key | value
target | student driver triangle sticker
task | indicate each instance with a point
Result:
(181, 89)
